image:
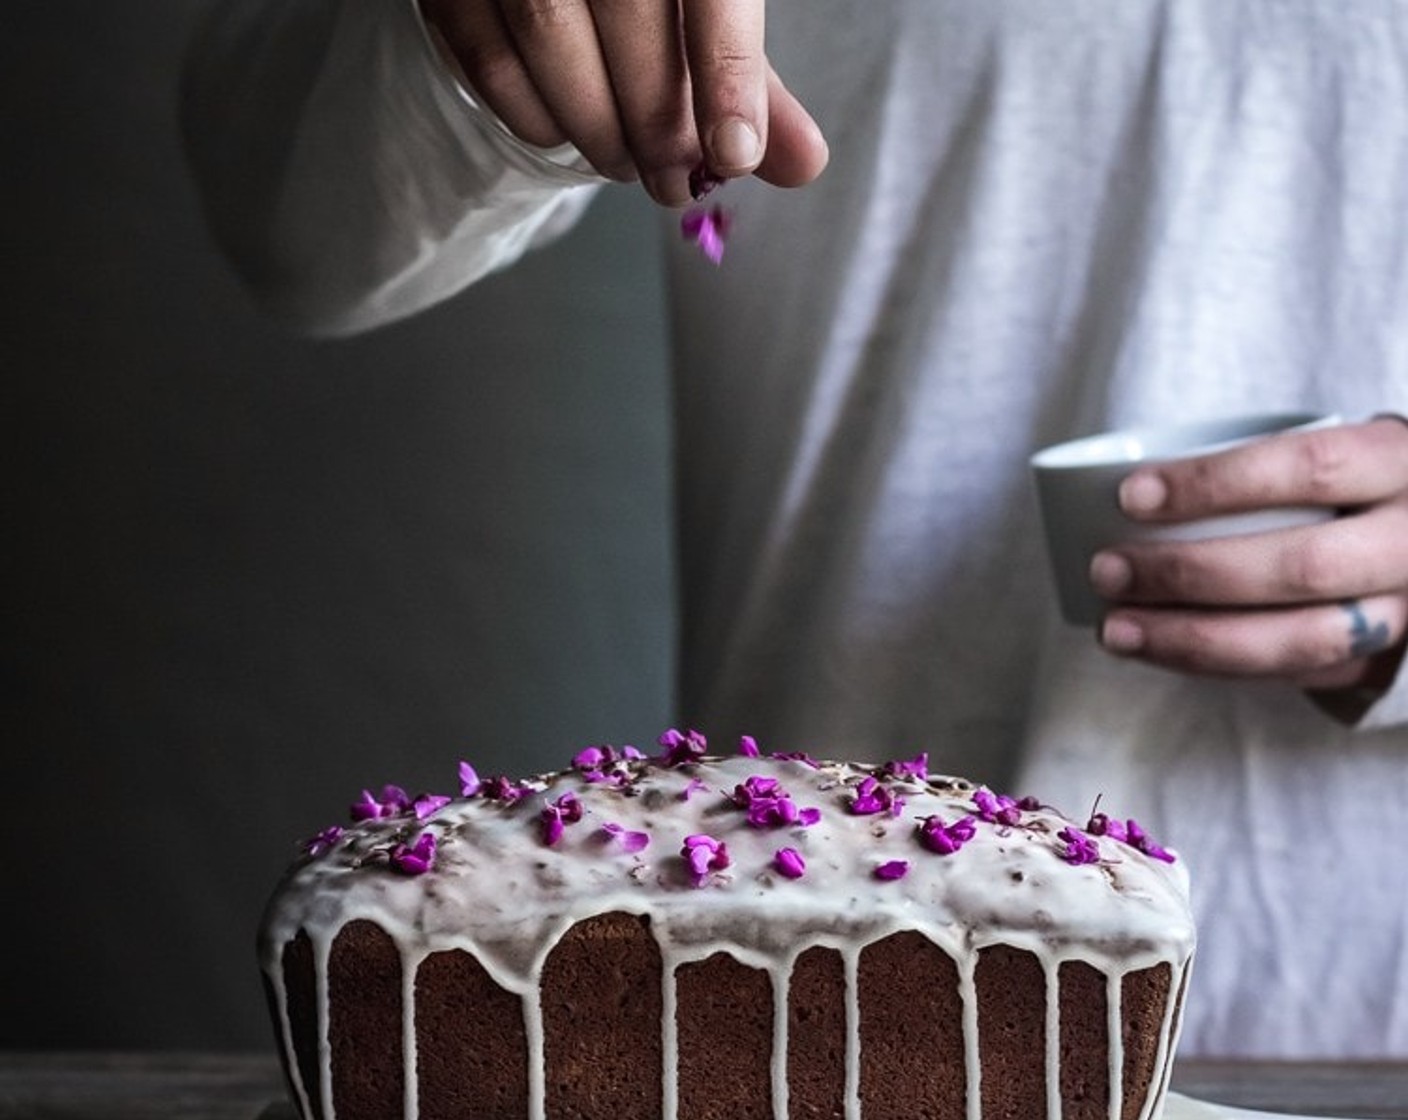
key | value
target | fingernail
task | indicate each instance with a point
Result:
(1142, 492)
(1110, 574)
(669, 187)
(1121, 635)
(734, 146)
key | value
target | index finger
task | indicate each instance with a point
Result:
(728, 75)
(1344, 466)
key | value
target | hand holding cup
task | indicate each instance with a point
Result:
(1270, 547)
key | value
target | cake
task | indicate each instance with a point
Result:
(696, 937)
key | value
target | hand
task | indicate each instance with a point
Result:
(644, 91)
(1324, 606)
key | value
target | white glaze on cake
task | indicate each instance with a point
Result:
(500, 892)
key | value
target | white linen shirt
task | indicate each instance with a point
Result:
(1039, 220)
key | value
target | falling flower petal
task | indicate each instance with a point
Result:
(789, 862)
(894, 869)
(748, 746)
(702, 182)
(708, 228)
(469, 780)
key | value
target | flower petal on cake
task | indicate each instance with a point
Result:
(470, 784)
(428, 804)
(324, 841)
(945, 839)
(1079, 848)
(415, 859)
(629, 840)
(790, 863)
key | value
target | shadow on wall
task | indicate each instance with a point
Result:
(254, 574)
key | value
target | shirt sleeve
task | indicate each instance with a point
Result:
(347, 174)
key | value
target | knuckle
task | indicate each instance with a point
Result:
(730, 62)
(625, 10)
(1312, 570)
(1322, 651)
(1173, 574)
(1201, 483)
(1321, 462)
(1190, 642)
(531, 16)
(663, 138)
(1200, 638)
(491, 68)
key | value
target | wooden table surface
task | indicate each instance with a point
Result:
(161, 1086)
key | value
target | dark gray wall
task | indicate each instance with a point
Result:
(247, 574)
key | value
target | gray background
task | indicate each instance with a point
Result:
(247, 574)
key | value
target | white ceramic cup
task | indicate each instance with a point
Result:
(1077, 485)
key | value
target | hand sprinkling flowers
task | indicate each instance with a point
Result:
(707, 226)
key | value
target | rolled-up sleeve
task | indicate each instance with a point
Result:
(345, 171)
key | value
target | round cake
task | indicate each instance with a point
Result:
(693, 937)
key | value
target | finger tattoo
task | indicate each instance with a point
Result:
(1365, 638)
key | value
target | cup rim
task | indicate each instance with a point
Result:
(1079, 453)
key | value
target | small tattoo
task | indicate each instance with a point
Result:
(1364, 639)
